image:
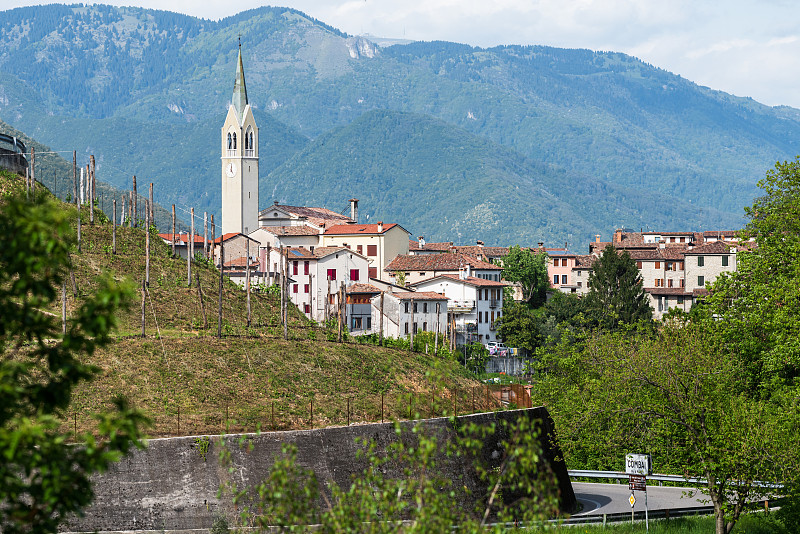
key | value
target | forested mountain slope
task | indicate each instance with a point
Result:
(146, 92)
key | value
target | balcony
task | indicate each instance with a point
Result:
(249, 152)
(460, 306)
(494, 303)
(231, 153)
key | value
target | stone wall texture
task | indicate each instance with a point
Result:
(170, 486)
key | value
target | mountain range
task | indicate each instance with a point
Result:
(508, 145)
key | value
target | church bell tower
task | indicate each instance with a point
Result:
(239, 161)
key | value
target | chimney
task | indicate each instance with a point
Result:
(480, 243)
(541, 244)
(596, 238)
(421, 242)
(618, 236)
(380, 227)
(469, 270)
(354, 209)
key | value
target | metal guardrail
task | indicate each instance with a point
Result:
(578, 473)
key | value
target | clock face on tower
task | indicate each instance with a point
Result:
(230, 170)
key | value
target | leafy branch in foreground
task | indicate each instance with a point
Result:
(43, 478)
(403, 487)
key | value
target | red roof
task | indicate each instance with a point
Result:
(291, 230)
(363, 288)
(357, 229)
(438, 247)
(181, 238)
(438, 262)
(316, 216)
(470, 280)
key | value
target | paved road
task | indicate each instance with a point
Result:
(600, 499)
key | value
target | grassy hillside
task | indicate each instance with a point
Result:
(186, 379)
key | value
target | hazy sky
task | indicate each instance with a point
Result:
(748, 48)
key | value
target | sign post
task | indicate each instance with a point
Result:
(638, 466)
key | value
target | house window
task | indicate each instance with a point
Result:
(354, 275)
(306, 308)
(331, 274)
(680, 266)
(373, 272)
(579, 284)
(372, 250)
(724, 261)
(669, 282)
(305, 288)
(356, 323)
(555, 262)
(671, 239)
(305, 267)
(369, 323)
(683, 282)
(683, 240)
(415, 307)
(638, 266)
(425, 326)
(555, 279)
(294, 288)
(422, 273)
(415, 328)
(701, 281)
(563, 278)
(680, 299)
(424, 307)
(480, 317)
(701, 261)
(294, 267)
(360, 249)
(406, 328)
(406, 303)
(657, 283)
(658, 265)
(486, 317)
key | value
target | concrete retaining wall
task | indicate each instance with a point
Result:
(169, 486)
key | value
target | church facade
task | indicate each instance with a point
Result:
(239, 149)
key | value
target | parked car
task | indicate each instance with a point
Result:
(496, 348)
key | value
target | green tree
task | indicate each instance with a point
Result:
(43, 479)
(530, 270)
(519, 326)
(758, 305)
(406, 481)
(672, 393)
(616, 295)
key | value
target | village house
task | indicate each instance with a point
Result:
(378, 242)
(475, 304)
(359, 308)
(181, 241)
(417, 268)
(316, 276)
(406, 313)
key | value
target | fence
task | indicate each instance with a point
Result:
(218, 417)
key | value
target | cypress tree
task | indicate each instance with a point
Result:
(616, 294)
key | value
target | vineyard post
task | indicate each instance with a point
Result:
(135, 203)
(173, 230)
(147, 243)
(90, 184)
(114, 229)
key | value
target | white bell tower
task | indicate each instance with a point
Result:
(239, 161)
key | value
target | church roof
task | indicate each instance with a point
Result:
(239, 99)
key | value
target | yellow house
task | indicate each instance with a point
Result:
(378, 242)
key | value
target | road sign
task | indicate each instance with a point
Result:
(632, 500)
(637, 464)
(637, 482)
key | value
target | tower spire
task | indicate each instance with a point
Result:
(239, 99)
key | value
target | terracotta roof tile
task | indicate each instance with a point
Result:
(715, 247)
(319, 252)
(668, 291)
(363, 288)
(316, 216)
(471, 280)
(357, 229)
(437, 262)
(291, 230)
(181, 239)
